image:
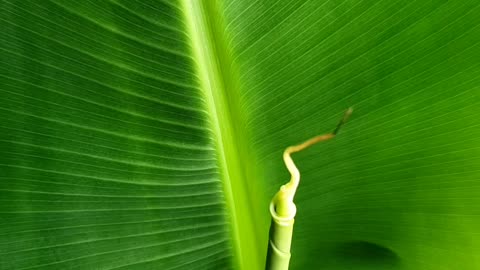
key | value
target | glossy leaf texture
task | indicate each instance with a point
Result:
(399, 188)
(107, 160)
(149, 134)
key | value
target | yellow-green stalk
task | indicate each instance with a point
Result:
(283, 209)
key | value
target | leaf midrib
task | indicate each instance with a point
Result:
(219, 85)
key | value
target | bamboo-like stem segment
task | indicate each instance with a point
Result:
(283, 209)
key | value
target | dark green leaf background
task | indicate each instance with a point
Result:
(107, 160)
(148, 134)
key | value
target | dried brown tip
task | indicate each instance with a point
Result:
(344, 119)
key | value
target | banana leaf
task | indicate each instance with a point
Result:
(149, 134)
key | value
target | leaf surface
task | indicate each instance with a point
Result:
(107, 158)
(398, 188)
(149, 134)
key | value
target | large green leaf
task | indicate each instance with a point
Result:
(107, 158)
(148, 134)
(399, 188)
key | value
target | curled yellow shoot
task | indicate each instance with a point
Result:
(283, 200)
(283, 209)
